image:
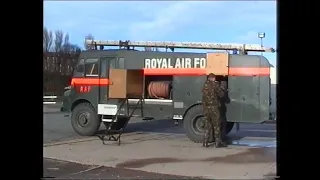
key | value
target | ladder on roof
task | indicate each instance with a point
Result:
(185, 45)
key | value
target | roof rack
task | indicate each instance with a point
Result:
(186, 45)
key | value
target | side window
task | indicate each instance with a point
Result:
(121, 63)
(103, 68)
(91, 67)
(106, 64)
(116, 63)
(79, 71)
(113, 63)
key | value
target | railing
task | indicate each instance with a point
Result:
(50, 99)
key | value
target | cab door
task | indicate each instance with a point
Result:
(105, 64)
(249, 89)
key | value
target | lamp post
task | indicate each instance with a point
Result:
(261, 35)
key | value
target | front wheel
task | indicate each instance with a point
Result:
(194, 124)
(84, 120)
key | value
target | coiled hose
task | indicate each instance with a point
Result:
(159, 89)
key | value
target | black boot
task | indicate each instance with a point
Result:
(220, 144)
(205, 143)
(206, 138)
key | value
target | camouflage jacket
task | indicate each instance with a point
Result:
(225, 98)
(212, 94)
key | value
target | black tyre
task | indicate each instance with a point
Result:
(84, 120)
(229, 127)
(194, 124)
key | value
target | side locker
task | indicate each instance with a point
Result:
(118, 86)
(245, 91)
(183, 96)
(125, 84)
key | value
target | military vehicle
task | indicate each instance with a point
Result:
(111, 86)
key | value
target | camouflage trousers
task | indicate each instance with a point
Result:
(223, 124)
(212, 123)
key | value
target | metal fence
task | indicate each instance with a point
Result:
(57, 72)
(50, 99)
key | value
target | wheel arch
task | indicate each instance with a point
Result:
(185, 112)
(192, 135)
(79, 101)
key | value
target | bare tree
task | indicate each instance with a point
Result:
(47, 40)
(67, 46)
(58, 41)
(71, 48)
(66, 39)
(88, 37)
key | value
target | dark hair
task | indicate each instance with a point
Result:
(211, 75)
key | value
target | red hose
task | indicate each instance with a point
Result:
(159, 89)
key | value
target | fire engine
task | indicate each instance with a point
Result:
(111, 86)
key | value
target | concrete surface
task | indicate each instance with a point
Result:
(162, 147)
(169, 154)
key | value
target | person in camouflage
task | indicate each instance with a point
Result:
(211, 102)
(224, 100)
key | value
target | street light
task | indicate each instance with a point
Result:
(261, 35)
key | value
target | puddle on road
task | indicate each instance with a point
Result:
(252, 155)
(139, 163)
(264, 151)
(255, 143)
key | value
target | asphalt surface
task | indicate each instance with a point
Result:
(68, 170)
(58, 128)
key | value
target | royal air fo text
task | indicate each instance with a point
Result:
(175, 63)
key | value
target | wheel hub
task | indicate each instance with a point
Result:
(83, 119)
(198, 125)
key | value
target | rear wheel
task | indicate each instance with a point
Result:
(84, 120)
(194, 124)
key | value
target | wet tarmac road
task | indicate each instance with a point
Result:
(68, 170)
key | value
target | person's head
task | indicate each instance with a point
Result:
(211, 77)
